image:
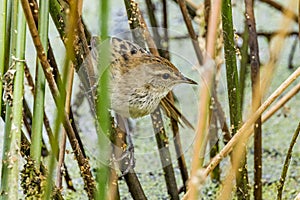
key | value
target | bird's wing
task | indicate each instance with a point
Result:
(126, 47)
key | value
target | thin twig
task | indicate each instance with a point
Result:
(165, 26)
(153, 22)
(239, 168)
(58, 11)
(216, 111)
(134, 185)
(191, 31)
(287, 163)
(191, 7)
(292, 53)
(281, 103)
(256, 97)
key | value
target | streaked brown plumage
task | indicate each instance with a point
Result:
(140, 81)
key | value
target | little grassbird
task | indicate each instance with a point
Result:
(140, 81)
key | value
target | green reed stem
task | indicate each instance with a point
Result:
(6, 148)
(4, 43)
(52, 158)
(244, 63)
(231, 67)
(287, 163)
(12, 13)
(13, 129)
(3, 10)
(234, 93)
(73, 17)
(39, 96)
(58, 17)
(102, 105)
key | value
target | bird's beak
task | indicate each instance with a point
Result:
(188, 80)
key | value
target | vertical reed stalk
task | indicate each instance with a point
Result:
(256, 97)
(39, 95)
(299, 19)
(4, 42)
(17, 63)
(286, 163)
(73, 17)
(63, 139)
(244, 63)
(234, 94)
(3, 36)
(196, 180)
(231, 67)
(102, 104)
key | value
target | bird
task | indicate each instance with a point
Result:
(140, 81)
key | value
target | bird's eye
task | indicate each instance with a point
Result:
(166, 76)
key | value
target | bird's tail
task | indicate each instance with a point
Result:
(174, 113)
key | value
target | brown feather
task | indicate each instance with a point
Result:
(172, 112)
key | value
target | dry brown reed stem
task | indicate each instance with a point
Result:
(281, 102)
(245, 131)
(191, 31)
(69, 85)
(218, 110)
(79, 7)
(213, 23)
(192, 8)
(205, 86)
(286, 11)
(256, 97)
(63, 140)
(82, 162)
